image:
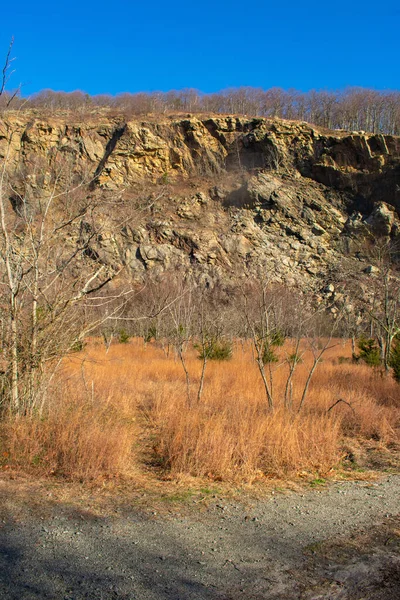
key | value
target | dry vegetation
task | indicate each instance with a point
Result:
(349, 109)
(122, 412)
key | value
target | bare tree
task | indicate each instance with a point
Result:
(50, 279)
(265, 330)
(382, 303)
(189, 325)
(374, 293)
(352, 109)
(6, 74)
(273, 314)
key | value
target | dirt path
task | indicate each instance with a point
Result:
(341, 542)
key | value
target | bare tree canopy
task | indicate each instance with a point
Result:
(353, 108)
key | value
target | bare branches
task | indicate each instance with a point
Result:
(52, 285)
(338, 402)
(350, 109)
(378, 299)
(6, 74)
(283, 329)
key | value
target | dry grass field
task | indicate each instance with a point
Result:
(124, 412)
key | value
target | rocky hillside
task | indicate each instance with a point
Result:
(229, 194)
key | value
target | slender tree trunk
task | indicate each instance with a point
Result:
(307, 384)
(14, 359)
(266, 386)
(203, 372)
(353, 347)
(288, 387)
(187, 377)
(34, 335)
(317, 360)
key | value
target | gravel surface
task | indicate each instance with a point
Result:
(340, 542)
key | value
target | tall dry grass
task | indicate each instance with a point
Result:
(83, 433)
(112, 414)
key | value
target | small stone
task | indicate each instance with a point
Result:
(329, 289)
(371, 269)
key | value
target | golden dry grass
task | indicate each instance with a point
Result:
(76, 437)
(125, 411)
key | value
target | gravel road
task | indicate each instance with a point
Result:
(340, 542)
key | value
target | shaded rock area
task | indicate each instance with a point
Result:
(219, 193)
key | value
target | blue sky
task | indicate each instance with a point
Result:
(129, 46)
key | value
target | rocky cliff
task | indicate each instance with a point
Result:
(225, 193)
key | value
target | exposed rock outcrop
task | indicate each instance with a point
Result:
(225, 193)
(121, 153)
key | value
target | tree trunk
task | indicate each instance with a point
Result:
(14, 360)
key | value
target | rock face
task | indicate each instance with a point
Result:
(225, 193)
(121, 153)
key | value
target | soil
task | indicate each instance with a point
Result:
(336, 541)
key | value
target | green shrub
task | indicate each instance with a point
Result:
(295, 359)
(369, 352)
(395, 358)
(78, 346)
(275, 339)
(215, 349)
(269, 355)
(123, 336)
(151, 333)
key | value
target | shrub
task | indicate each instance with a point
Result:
(277, 338)
(78, 346)
(369, 352)
(395, 358)
(151, 333)
(295, 359)
(215, 349)
(273, 340)
(123, 337)
(269, 355)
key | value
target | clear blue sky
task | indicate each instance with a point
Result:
(122, 45)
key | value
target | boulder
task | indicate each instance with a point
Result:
(383, 220)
